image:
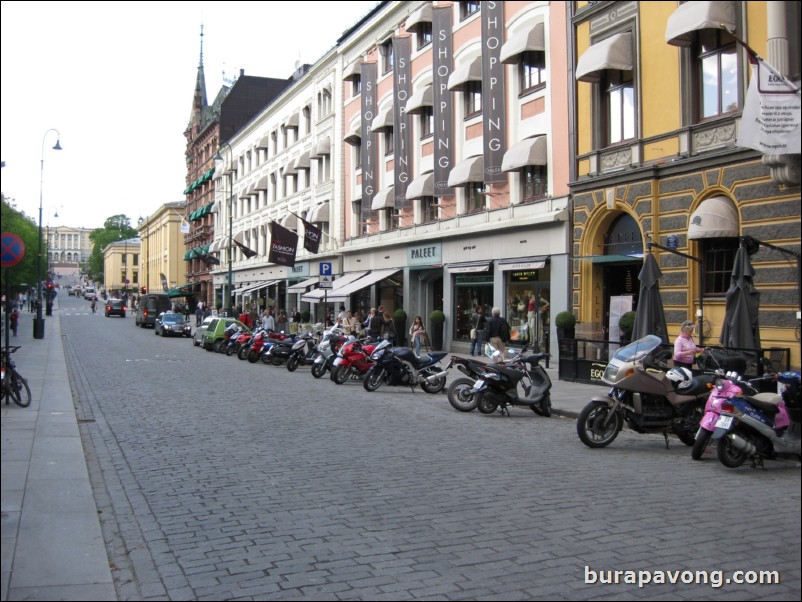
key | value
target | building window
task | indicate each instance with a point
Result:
(719, 258)
(136, 258)
(717, 72)
(307, 113)
(386, 51)
(274, 140)
(619, 96)
(534, 182)
(473, 98)
(389, 146)
(426, 122)
(428, 206)
(356, 85)
(424, 34)
(358, 154)
(393, 218)
(466, 9)
(532, 69)
(325, 105)
(474, 197)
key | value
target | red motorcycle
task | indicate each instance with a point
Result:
(352, 359)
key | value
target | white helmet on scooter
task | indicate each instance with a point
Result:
(680, 378)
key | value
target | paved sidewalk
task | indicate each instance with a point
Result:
(52, 545)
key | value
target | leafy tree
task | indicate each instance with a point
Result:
(116, 227)
(23, 275)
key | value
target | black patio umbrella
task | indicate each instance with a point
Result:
(650, 318)
(740, 329)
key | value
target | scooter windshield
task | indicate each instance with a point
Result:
(638, 350)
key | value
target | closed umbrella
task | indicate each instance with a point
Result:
(650, 318)
(741, 328)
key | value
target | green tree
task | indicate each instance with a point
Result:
(116, 227)
(22, 275)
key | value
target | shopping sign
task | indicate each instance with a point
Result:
(12, 251)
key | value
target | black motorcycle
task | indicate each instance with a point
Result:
(499, 387)
(399, 366)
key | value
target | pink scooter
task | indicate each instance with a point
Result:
(726, 387)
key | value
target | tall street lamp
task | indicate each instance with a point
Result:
(219, 157)
(38, 321)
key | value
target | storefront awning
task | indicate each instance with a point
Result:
(354, 136)
(523, 263)
(421, 98)
(469, 267)
(254, 287)
(302, 162)
(532, 40)
(716, 217)
(469, 170)
(370, 279)
(292, 120)
(532, 151)
(323, 147)
(384, 199)
(693, 16)
(421, 186)
(614, 52)
(301, 287)
(611, 258)
(383, 121)
(316, 296)
(319, 214)
(470, 71)
(289, 221)
(422, 15)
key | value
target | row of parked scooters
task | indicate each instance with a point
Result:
(715, 407)
(488, 387)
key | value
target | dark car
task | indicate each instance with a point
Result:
(115, 307)
(150, 306)
(172, 324)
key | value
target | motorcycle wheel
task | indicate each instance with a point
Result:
(243, 353)
(230, 350)
(340, 374)
(589, 425)
(543, 408)
(686, 430)
(318, 370)
(434, 386)
(485, 403)
(373, 379)
(461, 395)
(292, 363)
(276, 361)
(253, 356)
(729, 455)
(700, 443)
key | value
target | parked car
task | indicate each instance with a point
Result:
(197, 338)
(216, 329)
(150, 306)
(115, 307)
(172, 324)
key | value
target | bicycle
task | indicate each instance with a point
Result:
(14, 384)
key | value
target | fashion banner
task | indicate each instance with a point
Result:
(283, 245)
(369, 74)
(770, 122)
(402, 132)
(239, 240)
(312, 236)
(493, 117)
(443, 58)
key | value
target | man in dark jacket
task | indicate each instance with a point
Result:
(497, 333)
(478, 321)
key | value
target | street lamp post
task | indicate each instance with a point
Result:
(227, 300)
(38, 321)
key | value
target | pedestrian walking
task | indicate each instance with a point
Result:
(478, 322)
(14, 319)
(416, 333)
(497, 333)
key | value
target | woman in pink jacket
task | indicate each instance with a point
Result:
(685, 348)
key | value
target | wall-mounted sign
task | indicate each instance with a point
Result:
(425, 254)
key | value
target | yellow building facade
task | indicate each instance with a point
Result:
(659, 90)
(121, 266)
(161, 259)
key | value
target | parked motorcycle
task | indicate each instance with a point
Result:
(646, 395)
(279, 348)
(235, 340)
(399, 366)
(497, 386)
(353, 359)
(303, 352)
(326, 351)
(764, 427)
(726, 387)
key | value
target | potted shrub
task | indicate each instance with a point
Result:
(436, 320)
(626, 324)
(400, 326)
(565, 323)
(305, 315)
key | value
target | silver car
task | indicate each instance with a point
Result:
(197, 338)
